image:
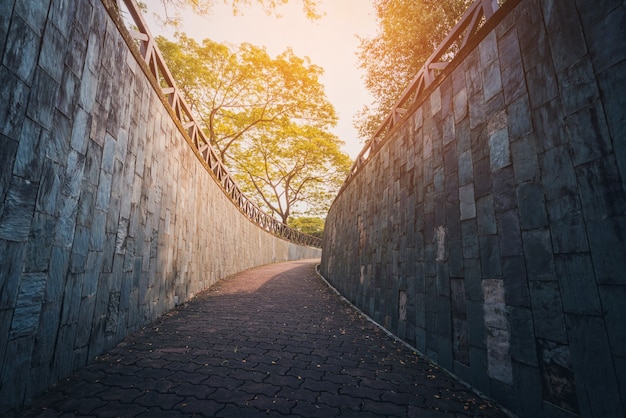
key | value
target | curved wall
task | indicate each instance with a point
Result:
(489, 231)
(107, 217)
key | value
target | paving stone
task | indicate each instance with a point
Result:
(298, 280)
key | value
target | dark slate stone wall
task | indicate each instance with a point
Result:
(489, 231)
(107, 218)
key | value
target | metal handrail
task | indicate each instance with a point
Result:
(463, 30)
(158, 68)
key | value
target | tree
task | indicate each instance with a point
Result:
(408, 32)
(268, 119)
(292, 168)
(235, 92)
(171, 8)
(309, 225)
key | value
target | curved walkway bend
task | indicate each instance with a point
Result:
(274, 340)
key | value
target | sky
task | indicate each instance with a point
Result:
(329, 42)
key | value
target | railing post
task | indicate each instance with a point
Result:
(489, 7)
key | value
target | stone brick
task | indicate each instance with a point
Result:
(13, 106)
(593, 365)
(509, 235)
(605, 39)
(473, 78)
(578, 86)
(476, 106)
(504, 196)
(612, 298)
(80, 131)
(28, 306)
(20, 53)
(482, 177)
(541, 84)
(539, 255)
(488, 49)
(549, 129)
(567, 227)
(6, 9)
(499, 150)
(525, 161)
(606, 239)
(513, 81)
(490, 257)
(547, 312)
(35, 15)
(64, 231)
(588, 135)
(492, 82)
(39, 246)
(609, 81)
(467, 203)
(558, 175)
(59, 264)
(58, 139)
(577, 283)
(30, 153)
(10, 270)
(52, 54)
(460, 105)
(558, 382)
(469, 231)
(565, 34)
(19, 206)
(480, 379)
(531, 205)
(485, 216)
(466, 172)
(41, 103)
(8, 150)
(528, 387)
(601, 189)
(519, 120)
(18, 350)
(515, 281)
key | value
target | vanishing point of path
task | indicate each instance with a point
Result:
(274, 340)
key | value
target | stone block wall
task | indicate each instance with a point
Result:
(107, 218)
(489, 231)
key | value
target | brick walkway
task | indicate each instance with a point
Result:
(273, 341)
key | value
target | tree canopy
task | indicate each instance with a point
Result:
(171, 8)
(268, 119)
(408, 32)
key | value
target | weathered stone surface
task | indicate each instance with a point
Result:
(592, 364)
(7, 155)
(28, 306)
(98, 194)
(547, 310)
(567, 226)
(531, 205)
(18, 210)
(15, 95)
(559, 386)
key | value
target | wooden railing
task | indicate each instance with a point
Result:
(461, 33)
(153, 58)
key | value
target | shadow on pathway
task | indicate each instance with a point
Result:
(274, 340)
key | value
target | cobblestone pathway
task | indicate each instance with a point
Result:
(274, 341)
